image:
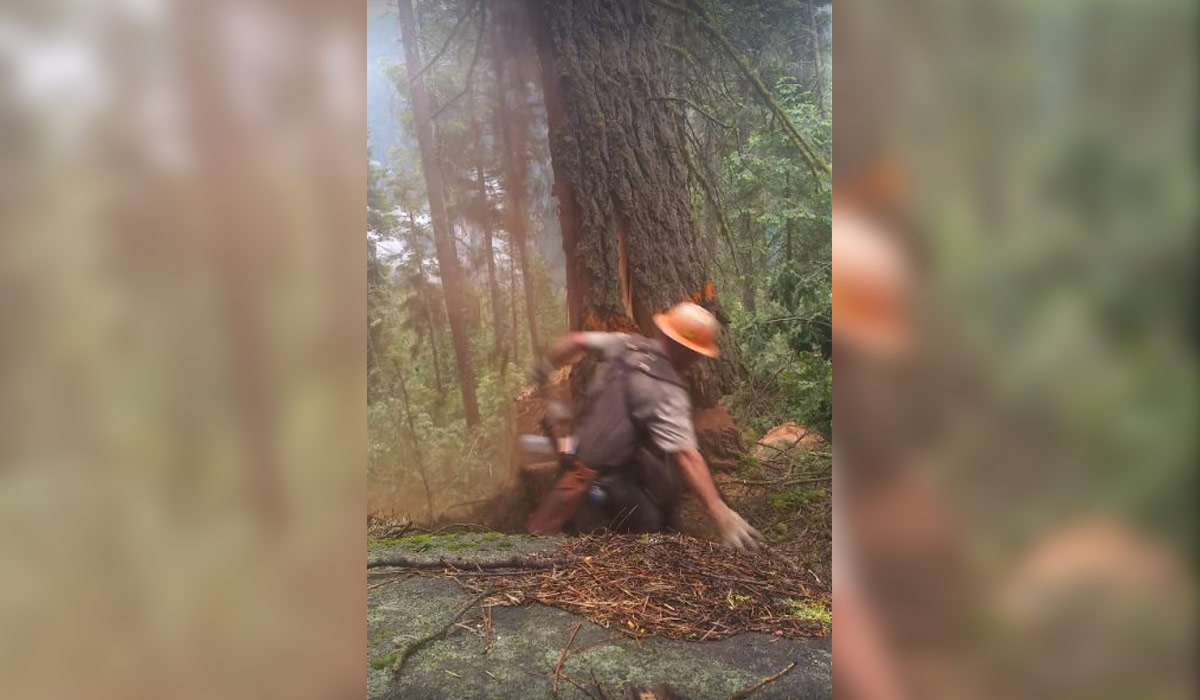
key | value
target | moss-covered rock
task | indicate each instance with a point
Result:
(526, 642)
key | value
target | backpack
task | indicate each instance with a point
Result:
(613, 449)
(611, 440)
(607, 432)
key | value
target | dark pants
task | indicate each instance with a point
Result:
(642, 497)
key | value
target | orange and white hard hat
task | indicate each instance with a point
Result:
(692, 326)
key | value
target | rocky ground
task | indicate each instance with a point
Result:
(514, 651)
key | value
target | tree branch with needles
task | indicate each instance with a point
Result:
(446, 44)
(470, 69)
(698, 14)
(710, 194)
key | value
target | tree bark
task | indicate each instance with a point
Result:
(818, 62)
(512, 126)
(631, 242)
(446, 253)
(512, 289)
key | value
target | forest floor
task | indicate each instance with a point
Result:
(470, 645)
(470, 612)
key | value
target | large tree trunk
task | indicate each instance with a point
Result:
(512, 127)
(631, 242)
(447, 255)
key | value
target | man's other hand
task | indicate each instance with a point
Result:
(736, 532)
(540, 374)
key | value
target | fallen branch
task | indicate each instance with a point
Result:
(754, 688)
(527, 563)
(785, 480)
(418, 644)
(467, 527)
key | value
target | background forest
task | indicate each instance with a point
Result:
(747, 92)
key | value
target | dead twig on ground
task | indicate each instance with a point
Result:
(582, 688)
(599, 685)
(387, 527)
(562, 658)
(782, 481)
(401, 577)
(469, 527)
(741, 694)
(787, 451)
(485, 613)
(416, 645)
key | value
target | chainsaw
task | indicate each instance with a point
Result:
(574, 476)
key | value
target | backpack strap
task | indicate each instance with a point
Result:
(651, 362)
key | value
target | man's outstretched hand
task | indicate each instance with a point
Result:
(736, 532)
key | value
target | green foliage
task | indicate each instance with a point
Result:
(776, 259)
(789, 380)
(382, 662)
(810, 611)
(794, 498)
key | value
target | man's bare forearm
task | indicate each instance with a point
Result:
(734, 529)
(699, 480)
